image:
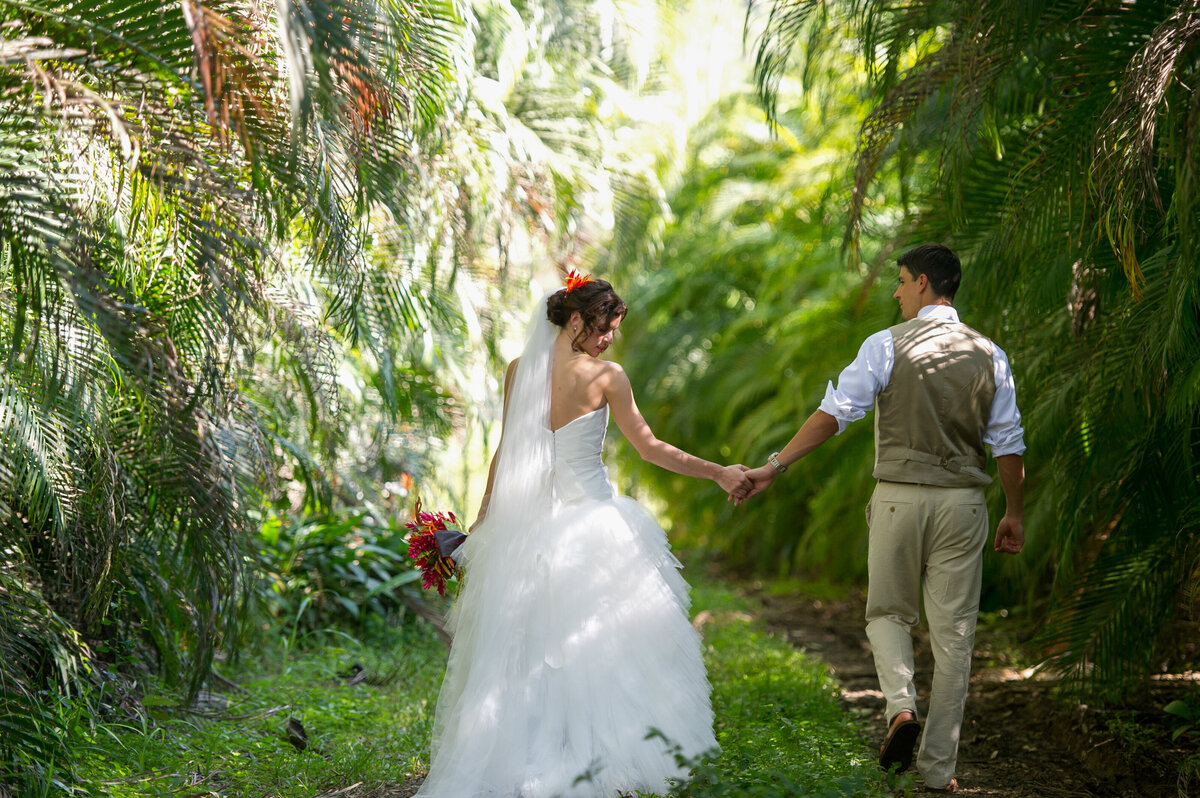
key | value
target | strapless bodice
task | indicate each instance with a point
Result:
(579, 471)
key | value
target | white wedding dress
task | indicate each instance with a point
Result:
(571, 643)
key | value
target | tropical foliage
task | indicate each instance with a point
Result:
(737, 322)
(1054, 144)
(246, 256)
(182, 190)
(257, 265)
(331, 570)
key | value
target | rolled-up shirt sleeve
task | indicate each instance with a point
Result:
(861, 381)
(1004, 432)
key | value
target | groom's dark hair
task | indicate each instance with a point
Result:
(595, 301)
(938, 263)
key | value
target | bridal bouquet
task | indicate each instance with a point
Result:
(433, 538)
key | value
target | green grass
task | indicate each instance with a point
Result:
(778, 721)
(375, 735)
(779, 725)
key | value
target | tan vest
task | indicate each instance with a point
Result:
(929, 420)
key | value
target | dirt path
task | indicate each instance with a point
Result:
(1018, 742)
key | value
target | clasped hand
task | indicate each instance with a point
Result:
(758, 479)
(741, 482)
(733, 481)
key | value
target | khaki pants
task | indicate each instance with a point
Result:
(930, 538)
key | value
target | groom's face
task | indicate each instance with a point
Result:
(909, 290)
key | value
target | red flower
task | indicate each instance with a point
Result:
(430, 554)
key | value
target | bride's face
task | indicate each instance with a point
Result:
(600, 339)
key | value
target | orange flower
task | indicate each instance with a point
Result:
(575, 281)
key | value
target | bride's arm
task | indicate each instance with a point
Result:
(633, 426)
(487, 493)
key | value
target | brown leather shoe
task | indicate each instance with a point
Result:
(897, 748)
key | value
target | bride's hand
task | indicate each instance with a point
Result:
(733, 481)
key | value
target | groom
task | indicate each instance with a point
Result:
(940, 392)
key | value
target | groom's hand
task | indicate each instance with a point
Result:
(1010, 535)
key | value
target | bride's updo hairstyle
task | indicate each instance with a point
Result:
(595, 301)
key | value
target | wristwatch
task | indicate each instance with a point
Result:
(774, 460)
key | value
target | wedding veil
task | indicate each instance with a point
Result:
(525, 457)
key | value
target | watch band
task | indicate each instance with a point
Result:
(774, 461)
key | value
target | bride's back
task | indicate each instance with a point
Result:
(576, 385)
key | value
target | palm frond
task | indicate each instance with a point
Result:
(149, 179)
(1048, 178)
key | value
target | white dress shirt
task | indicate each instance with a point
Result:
(865, 378)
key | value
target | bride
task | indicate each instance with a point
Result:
(571, 636)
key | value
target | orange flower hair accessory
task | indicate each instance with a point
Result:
(575, 281)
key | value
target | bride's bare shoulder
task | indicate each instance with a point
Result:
(610, 371)
(612, 366)
(593, 371)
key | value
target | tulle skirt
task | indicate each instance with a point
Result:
(574, 670)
